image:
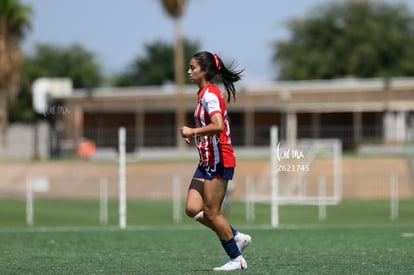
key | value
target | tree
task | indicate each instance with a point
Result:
(48, 60)
(20, 107)
(348, 38)
(73, 61)
(156, 66)
(175, 9)
(14, 21)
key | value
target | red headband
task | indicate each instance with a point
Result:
(218, 66)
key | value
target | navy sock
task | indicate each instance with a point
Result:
(231, 248)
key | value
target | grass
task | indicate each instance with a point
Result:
(334, 249)
(357, 237)
(64, 212)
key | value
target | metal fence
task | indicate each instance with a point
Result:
(43, 141)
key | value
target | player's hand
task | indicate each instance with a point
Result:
(186, 133)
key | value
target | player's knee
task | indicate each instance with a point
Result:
(197, 216)
(210, 214)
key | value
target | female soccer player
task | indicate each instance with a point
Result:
(217, 161)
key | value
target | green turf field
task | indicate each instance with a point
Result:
(358, 237)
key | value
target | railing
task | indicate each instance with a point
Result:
(24, 143)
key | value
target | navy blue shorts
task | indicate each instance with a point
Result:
(214, 172)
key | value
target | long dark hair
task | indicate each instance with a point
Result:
(213, 65)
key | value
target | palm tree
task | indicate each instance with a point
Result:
(14, 20)
(175, 9)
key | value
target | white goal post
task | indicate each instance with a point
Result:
(308, 174)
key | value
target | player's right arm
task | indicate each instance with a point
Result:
(215, 127)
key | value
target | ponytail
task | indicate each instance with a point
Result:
(213, 64)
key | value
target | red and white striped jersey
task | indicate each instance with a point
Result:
(217, 148)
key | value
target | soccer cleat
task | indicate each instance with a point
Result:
(238, 263)
(242, 241)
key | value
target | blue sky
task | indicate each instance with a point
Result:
(116, 31)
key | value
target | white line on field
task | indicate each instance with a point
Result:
(187, 227)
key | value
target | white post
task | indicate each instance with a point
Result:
(29, 202)
(122, 179)
(250, 211)
(274, 177)
(337, 176)
(34, 184)
(177, 199)
(322, 196)
(103, 199)
(394, 197)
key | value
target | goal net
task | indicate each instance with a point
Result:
(313, 176)
(307, 172)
